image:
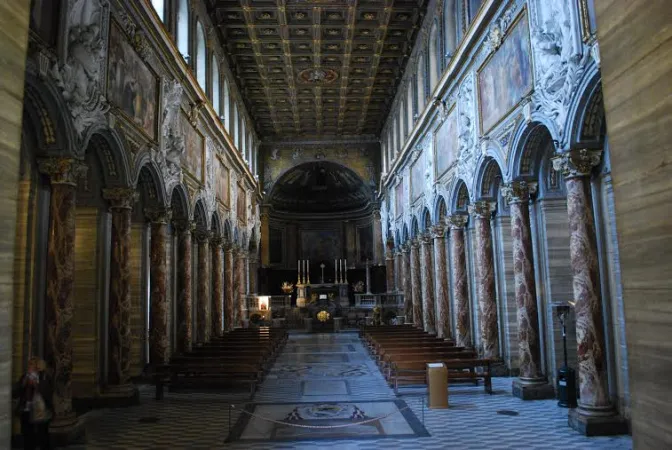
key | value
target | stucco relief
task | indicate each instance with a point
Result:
(560, 62)
(467, 153)
(79, 77)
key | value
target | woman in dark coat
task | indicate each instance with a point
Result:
(35, 407)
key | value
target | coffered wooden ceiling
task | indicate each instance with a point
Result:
(318, 68)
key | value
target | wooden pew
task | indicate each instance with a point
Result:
(415, 372)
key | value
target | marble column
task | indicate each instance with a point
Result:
(253, 265)
(595, 414)
(531, 384)
(217, 286)
(427, 283)
(416, 290)
(184, 229)
(229, 310)
(378, 247)
(265, 235)
(441, 283)
(406, 282)
(121, 202)
(64, 174)
(203, 287)
(239, 286)
(158, 276)
(398, 276)
(389, 265)
(458, 267)
(485, 278)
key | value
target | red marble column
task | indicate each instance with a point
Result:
(239, 285)
(64, 174)
(406, 282)
(458, 267)
(217, 286)
(389, 265)
(229, 310)
(203, 287)
(158, 277)
(485, 278)
(184, 285)
(441, 282)
(119, 326)
(397, 270)
(416, 290)
(427, 284)
(595, 408)
(531, 383)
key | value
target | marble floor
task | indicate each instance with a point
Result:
(325, 381)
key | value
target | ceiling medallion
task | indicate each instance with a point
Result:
(318, 76)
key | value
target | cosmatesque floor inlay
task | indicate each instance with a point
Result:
(204, 420)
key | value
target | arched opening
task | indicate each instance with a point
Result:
(450, 26)
(201, 57)
(434, 57)
(409, 107)
(216, 81)
(420, 81)
(183, 37)
(160, 8)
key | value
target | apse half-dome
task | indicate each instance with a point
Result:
(319, 187)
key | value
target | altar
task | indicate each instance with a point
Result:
(321, 293)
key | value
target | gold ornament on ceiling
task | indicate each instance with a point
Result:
(318, 76)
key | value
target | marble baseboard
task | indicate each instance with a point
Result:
(597, 426)
(524, 391)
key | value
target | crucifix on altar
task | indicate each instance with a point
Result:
(322, 266)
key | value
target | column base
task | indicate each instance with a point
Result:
(598, 425)
(120, 396)
(64, 431)
(532, 390)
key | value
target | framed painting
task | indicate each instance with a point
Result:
(193, 157)
(505, 78)
(321, 245)
(241, 210)
(131, 85)
(445, 144)
(418, 177)
(365, 243)
(222, 182)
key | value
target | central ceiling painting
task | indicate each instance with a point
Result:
(318, 68)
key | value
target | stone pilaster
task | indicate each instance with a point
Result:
(532, 384)
(441, 283)
(239, 286)
(217, 286)
(229, 310)
(253, 265)
(406, 282)
(121, 202)
(389, 265)
(63, 174)
(184, 229)
(427, 282)
(595, 414)
(458, 267)
(485, 278)
(158, 276)
(416, 281)
(203, 287)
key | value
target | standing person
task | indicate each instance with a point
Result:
(35, 406)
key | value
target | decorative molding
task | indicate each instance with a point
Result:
(577, 163)
(120, 197)
(63, 170)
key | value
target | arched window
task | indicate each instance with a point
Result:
(183, 28)
(201, 56)
(227, 106)
(160, 8)
(474, 6)
(420, 84)
(450, 26)
(234, 125)
(216, 103)
(433, 57)
(409, 106)
(250, 150)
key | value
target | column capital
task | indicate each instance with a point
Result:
(202, 236)
(217, 241)
(457, 221)
(376, 214)
(518, 191)
(120, 197)
(389, 243)
(425, 239)
(482, 209)
(438, 231)
(228, 245)
(184, 226)
(159, 215)
(62, 170)
(577, 163)
(415, 244)
(405, 248)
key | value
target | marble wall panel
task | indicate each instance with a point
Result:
(506, 291)
(13, 44)
(85, 323)
(138, 297)
(556, 280)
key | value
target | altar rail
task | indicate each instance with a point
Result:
(384, 300)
